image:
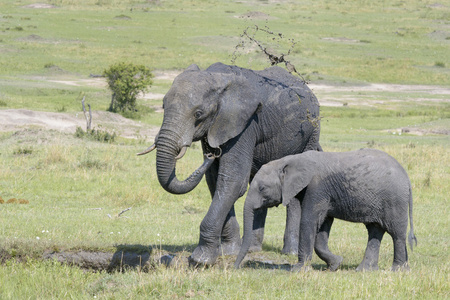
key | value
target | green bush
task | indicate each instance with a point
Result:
(126, 81)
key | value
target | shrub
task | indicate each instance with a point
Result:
(126, 81)
(23, 151)
(96, 135)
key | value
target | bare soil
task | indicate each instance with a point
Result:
(21, 119)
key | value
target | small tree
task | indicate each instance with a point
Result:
(126, 81)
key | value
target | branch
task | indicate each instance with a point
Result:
(273, 58)
(88, 120)
(125, 210)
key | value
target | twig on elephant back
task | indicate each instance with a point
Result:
(88, 119)
(273, 58)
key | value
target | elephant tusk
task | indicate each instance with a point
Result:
(148, 150)
(182, 153)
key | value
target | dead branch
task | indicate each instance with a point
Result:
(125, 210)
(273, 58)
(88, 119)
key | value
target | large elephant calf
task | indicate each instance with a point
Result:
(366, 186)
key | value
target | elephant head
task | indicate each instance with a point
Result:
(277, 182)
(205, 105)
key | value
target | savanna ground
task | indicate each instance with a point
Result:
(380, 71)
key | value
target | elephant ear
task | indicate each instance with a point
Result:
(295, 175)
(237, 104)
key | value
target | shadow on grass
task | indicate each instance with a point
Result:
(269, 265)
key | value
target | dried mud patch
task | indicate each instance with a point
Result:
(101, 261)
(142, 258)
(124, 260)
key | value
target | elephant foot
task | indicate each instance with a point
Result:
(363, 267)
(335, 265)
(400, 267)
(230, 248)
(300, 267)
(203, 257)
(255, 248)
(290, 249)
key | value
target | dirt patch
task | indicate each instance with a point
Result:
(256, 15)
(362, 95)
(106, 261)
(19, 119)
(40, 5)
(95, 82)
(340, 40)
(419, 131)
(128, 260)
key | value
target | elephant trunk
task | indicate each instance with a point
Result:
(166, 156)
(249, 216)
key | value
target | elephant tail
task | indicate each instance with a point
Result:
(411, 236)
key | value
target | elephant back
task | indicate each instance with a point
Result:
(273, 76)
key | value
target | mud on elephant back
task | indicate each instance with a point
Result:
(244, 119)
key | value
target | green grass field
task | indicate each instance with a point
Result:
(72, 190)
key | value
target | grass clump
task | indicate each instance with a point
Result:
(23, 151)
(96, 135)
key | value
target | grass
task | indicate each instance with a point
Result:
(77, 187)
(74, 189)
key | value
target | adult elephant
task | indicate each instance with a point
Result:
(245, 118)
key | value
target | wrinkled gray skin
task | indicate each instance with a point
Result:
(365, 186)
(250, 118)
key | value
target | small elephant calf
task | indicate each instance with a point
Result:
(366, 186)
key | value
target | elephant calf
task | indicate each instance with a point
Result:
(366, 186)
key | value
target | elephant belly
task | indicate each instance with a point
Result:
(356, 210)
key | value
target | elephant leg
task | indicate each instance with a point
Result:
(400, 253)
(321, 246)
(370, 260)
(308, 231)
(208, 249)
(230, 240)
(259, 222)
(293, 213)
(231, 183)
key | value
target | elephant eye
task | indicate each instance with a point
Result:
(198, 114)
